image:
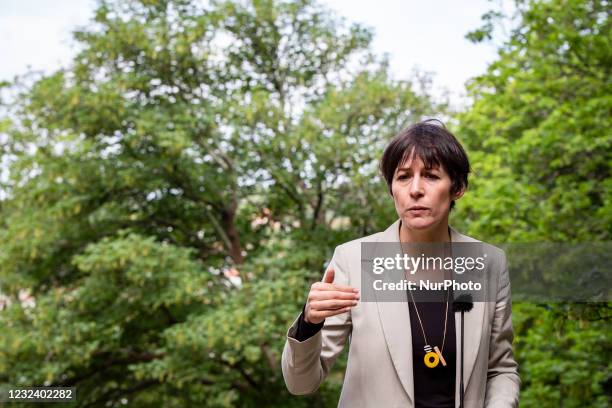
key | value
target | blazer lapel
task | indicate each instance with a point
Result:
(395, 319)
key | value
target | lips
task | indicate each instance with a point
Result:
(417, 208)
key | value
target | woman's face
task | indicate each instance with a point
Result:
(422, 197)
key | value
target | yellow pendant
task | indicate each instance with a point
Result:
(431, 359)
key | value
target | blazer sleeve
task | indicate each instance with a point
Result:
(306, 363)
(503, 381)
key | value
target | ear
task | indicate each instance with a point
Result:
(458, 194)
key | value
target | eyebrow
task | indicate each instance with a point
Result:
(408, 168)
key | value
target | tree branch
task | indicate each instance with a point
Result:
(130, 359)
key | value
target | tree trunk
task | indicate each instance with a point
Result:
(228, 217)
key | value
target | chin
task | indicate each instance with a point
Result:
(419, 225)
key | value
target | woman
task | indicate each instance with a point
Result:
(426, 170)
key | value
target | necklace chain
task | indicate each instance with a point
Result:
(421, 323)
(447, 295)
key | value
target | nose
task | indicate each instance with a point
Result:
(416, 187)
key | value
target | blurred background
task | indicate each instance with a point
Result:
(175, 173)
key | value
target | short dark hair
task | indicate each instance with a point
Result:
(435, 146)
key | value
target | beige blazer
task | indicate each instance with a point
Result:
(379, 369)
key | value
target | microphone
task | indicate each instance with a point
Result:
(462, 304)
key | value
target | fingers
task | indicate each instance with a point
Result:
(332, 286)
(332, 304)
(327, 283)
(331, 294)
(327, 299)
(320, 315)
(329, 275)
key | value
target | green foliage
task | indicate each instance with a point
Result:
(564, 356)
(189, 145)
(539, 129)
(538, 134)
(185, 144)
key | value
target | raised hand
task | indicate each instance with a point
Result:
(327, 299)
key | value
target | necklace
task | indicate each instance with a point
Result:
(432, 356)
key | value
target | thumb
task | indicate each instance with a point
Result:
(329, 276)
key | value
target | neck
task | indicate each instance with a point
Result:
(440, 233)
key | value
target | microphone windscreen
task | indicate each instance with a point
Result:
(463, 303)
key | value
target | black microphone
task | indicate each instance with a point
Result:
(462, 304)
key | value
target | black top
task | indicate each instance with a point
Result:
(433, 387)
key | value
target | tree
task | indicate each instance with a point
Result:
(173, 193)
(539, 135)
(538, 128)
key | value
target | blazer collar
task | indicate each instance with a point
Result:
(395, 319)
(391, 234)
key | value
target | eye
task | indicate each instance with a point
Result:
(432, 176)
(402, 176)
